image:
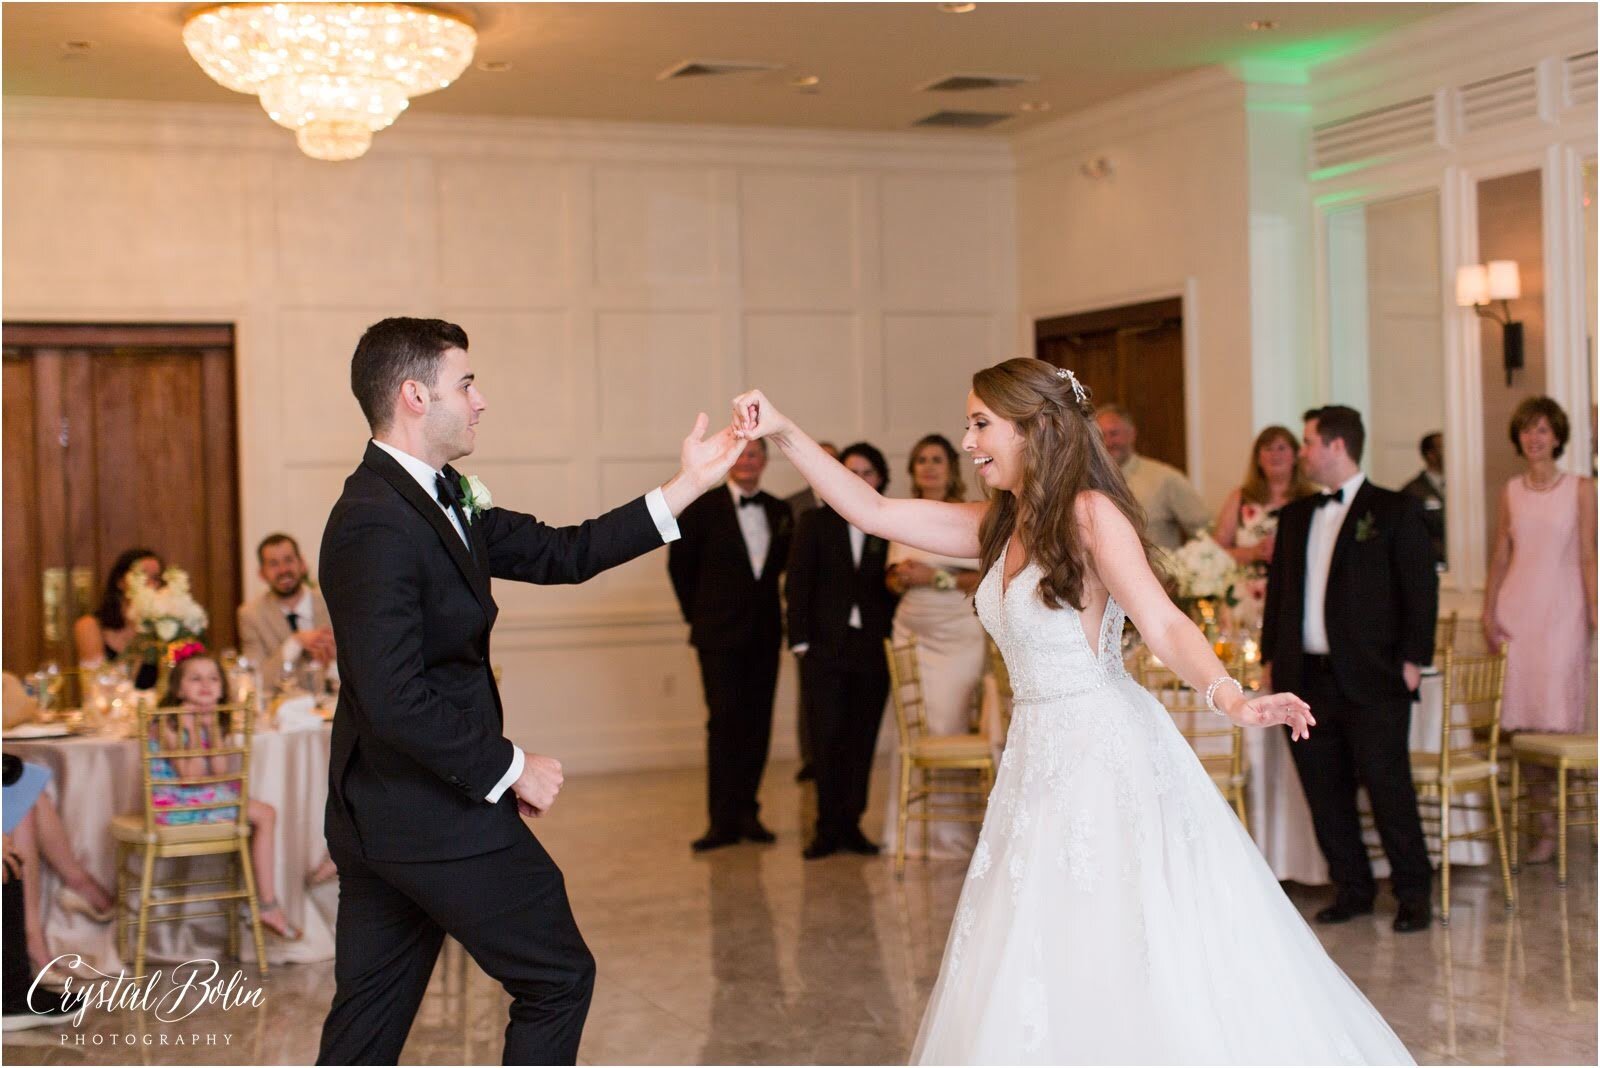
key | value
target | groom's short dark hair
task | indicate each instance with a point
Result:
(1341, 422)
(392, 351)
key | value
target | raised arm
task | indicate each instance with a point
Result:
(935, 526)
(1119, 561)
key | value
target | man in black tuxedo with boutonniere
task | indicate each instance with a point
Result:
(1351, 601)
(425, 792)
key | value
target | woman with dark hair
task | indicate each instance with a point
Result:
(1248, 522)
(936, 609)
(1539, 603)
(104, 636)
(1115, 910)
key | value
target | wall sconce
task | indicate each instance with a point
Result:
(1477, 285)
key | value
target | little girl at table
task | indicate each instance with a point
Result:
(198, 687)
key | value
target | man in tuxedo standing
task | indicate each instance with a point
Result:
(1428, 487)
(799, 504)
(840, 610)
(1351, 600)
(287, 626)
(725, 572)
(424, 790)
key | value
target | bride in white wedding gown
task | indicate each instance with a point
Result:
(1115, 910)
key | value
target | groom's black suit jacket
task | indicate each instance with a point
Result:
(1381, 601)
(417, 738)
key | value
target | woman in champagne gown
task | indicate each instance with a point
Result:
(1115, 910)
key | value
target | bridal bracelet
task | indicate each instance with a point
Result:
(1211, 692)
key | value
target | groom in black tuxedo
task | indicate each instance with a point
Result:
(424, 789)
(1348, 625)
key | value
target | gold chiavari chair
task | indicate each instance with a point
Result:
(1466, 764)
(1573, 759)
(924, 756)
(173, 825)
(1218, 742)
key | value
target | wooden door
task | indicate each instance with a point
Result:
(114, 437)
(1132, 356)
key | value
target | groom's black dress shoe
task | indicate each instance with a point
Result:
(820, 847)
(1343, 911)
(856, 842)
(1413, 918)
(715, 838)
(751, 830)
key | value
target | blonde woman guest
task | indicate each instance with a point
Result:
(936, 609)
(1248, 523)
(1540, 598)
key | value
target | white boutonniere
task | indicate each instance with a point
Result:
(475, 497)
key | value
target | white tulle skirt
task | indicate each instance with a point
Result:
(1116, 912)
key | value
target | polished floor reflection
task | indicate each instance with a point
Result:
(752, 956)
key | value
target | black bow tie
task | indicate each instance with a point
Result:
(1336, 497)
(448, 493)
(744, 501)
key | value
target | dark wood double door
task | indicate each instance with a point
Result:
(115, 437)
(1132, 356)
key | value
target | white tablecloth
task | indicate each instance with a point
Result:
(96, 778)
(1281, 822)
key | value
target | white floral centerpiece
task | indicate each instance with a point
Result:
(166, 616)
(1206, 576)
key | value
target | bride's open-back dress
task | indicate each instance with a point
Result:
(1115, 910)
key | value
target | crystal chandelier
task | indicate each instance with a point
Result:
(334, 73)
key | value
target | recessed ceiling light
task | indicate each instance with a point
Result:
(1261, 24)
(957, 9)
(1034, 105)
(494, 66)
(805, 81)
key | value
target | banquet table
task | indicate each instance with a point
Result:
(94, 778)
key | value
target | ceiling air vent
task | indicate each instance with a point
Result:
(702, 68)
(962, 120)
(1493, 101)
(960, 83)
(1396, 128)
(1580, 79)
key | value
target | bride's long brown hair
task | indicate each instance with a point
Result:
(1062, 456)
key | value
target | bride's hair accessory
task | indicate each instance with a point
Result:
(1211, 692)
(1078, 392)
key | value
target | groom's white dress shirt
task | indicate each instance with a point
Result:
(427, 478)
(1320, 540)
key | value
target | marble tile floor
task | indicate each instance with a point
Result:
(750, 955)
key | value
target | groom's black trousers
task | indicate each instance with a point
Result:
(508, 909)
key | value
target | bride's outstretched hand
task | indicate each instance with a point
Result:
(755, 417)
(1272, 709)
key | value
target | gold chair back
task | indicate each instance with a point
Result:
(1217, 742)
(905, 687)
(191, 745)
(1470, 724)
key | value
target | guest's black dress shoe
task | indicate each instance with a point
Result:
(820, 847)
(1343, 912)
(1413, 918)
(715, 838)
(751, 830)
(805, 774)
(856, 842)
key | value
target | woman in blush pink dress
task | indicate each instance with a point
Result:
(1540, 599)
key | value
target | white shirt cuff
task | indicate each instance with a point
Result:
(666, 522)
(290, 653)
(800, 650)
(513, 773)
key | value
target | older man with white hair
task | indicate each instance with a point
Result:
(1172, 507)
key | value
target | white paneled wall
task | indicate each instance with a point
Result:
(613, 280)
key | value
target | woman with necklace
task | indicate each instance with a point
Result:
(1540, 600)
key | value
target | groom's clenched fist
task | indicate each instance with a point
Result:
(537, 786)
